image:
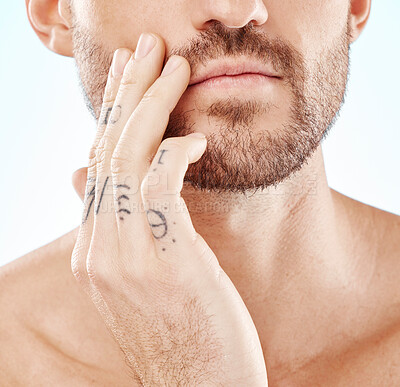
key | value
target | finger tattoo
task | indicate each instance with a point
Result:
(101, 195)
(120, 198)
(90, 193)
(162, 153)
(116, 115)
(158, 223)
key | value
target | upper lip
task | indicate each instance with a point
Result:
(226, 67)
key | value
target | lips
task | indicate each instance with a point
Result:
(219, 69)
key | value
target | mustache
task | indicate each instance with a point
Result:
(219, 41)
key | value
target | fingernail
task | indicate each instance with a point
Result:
(120, 59)
(145, 45)
(196, 134)
(172, 64)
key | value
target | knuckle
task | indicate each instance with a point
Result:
(157, 100)
(103, 151)
(129, 80)
(96, 273)
(78, 263)
(92, 163)
(108, 100)
(76, 268)
(120, 163)
(92, 157)
(91, 169)
(128, 156)
(92, 153)
(152, 95)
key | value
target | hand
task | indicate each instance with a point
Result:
(156, 283)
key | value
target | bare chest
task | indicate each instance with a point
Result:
(371, 364)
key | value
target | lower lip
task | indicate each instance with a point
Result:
(242, 80)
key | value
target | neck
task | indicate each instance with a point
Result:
(283, 249)
(272, 231)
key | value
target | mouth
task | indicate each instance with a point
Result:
(238, 72)
(243, 80)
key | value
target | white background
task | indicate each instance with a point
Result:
(46, 131)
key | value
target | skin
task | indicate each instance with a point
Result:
(325, 302)
(172, 309)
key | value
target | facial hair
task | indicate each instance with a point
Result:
(239, 159)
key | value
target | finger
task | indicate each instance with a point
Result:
(120, 60)
(80, 252)
(79, 178)
(140, 73)
(167, 214)
(138, 143)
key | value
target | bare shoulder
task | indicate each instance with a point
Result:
(373, 357)
(49, 327)
(36, 274)
(378, 229)
(376, 233)
(33, 281)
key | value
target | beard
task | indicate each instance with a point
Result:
(238, 158)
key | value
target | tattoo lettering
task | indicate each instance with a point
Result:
(90, 194)
(162, 153)
(101, 195)
(158, 223)
(117, 114)
(122, 186)
(107, 114)
(123, 210)
(122, 197)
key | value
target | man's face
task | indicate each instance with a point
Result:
(259, 136)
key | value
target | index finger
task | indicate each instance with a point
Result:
(78, 265)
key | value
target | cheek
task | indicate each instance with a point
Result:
(310, 25)
(89, 13)
(120, 22)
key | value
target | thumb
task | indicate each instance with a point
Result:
(79, 178)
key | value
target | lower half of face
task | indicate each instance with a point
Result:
(260, 134)
(259, 131)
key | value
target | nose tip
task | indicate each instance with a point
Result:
(233, 14)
